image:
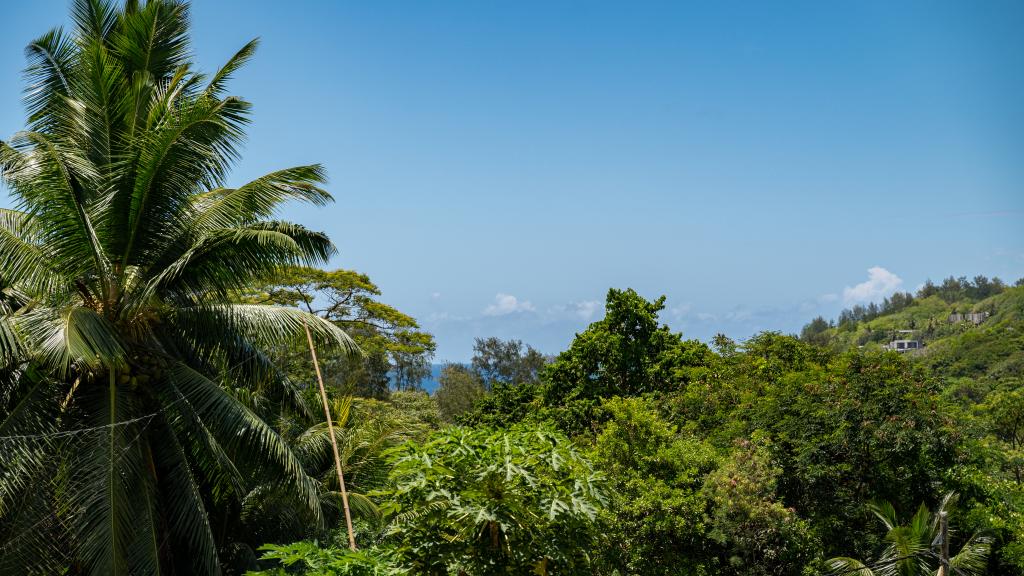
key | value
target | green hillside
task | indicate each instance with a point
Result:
(993, 349)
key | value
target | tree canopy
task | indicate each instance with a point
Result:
(157, 414)
(124, 357)
(396, 352)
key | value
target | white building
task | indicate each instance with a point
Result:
(903, 345)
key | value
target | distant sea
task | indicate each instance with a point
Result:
(430, 384)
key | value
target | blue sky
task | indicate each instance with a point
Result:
(499, 165)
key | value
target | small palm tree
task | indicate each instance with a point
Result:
(365, 430)
(124, 365)
(911, 549)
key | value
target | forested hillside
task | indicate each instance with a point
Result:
(988, 346)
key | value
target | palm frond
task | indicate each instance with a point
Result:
(360, 504)
(12, 351)
(94, 19)
(151, 42)
(48, 177)
(98, 121)
(110, 473)
(229, 260)
(191, 152)
(218, 83)
(257, 200)
(92, 339)
(848, 567)
(258, 323)
(27, 260)
(183, 505)
(972, 560)
(60, 338)
(33, 531)
(212, 461)
(51, 62)
(885, 512)
(244, 434)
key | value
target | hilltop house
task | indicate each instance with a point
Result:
(903, 345)
(972, 317)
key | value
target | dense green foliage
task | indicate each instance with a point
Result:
(158, 412)
(125, 366)
(314, 560)
(476, 501)
(763, 457)
(458, 390)
(393, 346)
(505, 362)
(487, 502)
(909, 547)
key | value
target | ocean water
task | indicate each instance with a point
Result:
(430, 383)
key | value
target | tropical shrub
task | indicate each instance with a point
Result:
(310, 559)
(656, 521)
(759, 535)
(493, 502)
(912, 549)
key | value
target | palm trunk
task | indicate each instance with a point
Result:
(334, 442)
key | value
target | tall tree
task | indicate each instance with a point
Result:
(458, 390)
(395, 349)
(499, 361)
(626, 353)
(124, 437)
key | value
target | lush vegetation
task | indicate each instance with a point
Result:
(769, 456)
(159, 414)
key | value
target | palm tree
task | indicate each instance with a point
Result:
(911, 548)
(124, 439)
(365, 430)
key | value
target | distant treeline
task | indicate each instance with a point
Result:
(951, 290)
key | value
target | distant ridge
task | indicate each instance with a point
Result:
(954, 345)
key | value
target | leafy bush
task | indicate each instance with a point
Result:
(486, 502)
(656, 521)
(760, 535)
(309, 559)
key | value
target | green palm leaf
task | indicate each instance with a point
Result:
(910, 548)
(243, 433)
(123, 362)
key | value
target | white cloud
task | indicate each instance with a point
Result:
(439, 317)
(586, 309)
(681, 310)
(880, 283)
(739, 315)
(507, 304)
(435, 295)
